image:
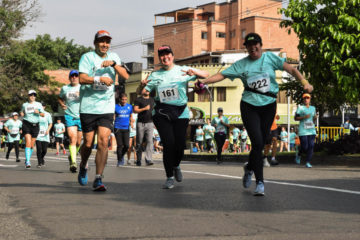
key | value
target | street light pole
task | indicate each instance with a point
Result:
(211, 99)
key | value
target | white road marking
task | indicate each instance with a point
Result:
(56, 159)
(8, 166)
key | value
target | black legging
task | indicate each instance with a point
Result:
(220, 140)
(41, 150)
(10, 147)
(172, 134)
(257, 121)
(122, 142)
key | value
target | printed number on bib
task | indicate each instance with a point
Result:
(42, 133)
(30, 110)
(260, 82)
(167, 94)
(14, 131)
(100, 86)
(308, 125)
(71, 96)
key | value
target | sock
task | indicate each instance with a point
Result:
(98, 176)
(73, 151)
(27, 154)
(273, 158)
(78, 149)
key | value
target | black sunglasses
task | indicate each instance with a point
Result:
(33, 94)
(76, 75)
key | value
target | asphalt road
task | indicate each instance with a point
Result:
(48, 203)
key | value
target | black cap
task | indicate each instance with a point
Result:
(220, 109)
(165, 49)
(252, 37)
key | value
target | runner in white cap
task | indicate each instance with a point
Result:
(13, 127)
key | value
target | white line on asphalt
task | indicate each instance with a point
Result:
(8, 166)
(56, 159)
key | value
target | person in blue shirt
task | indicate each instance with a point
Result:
(306, 114)
(171, 114)
(258, 102)
(123, 116)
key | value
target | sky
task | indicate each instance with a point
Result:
(125, 20)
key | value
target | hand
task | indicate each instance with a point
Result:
(307, 116)
(36, 111)
(308, 88)
(47, 133)
(107, 63)
(64, 107)
(147, 107)
(145, 81)
(189, 72)
(106, 80)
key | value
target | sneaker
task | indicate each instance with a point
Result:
(297, 159)
(82, 177)
(120, 163)
(274, 162)
(149, 163)
(138, 163)
(128, 162)
(218, 162)
(7, 157)
(266, 162)
(169, 183)
(73, 168)
(17, 160)
(247, 176)
(38, 166)
(177, 174)
(57, 153)
(98, 185)
(27, 166)
(64, 152)
(259, 190)
(308, 165)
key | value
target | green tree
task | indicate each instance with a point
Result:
(329, 44)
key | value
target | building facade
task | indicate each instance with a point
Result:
(217, 27)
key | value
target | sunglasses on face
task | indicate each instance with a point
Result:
(306, 98)
(33, 94)
(74, 75)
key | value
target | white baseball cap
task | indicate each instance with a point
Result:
(31, 92)
(15, 113)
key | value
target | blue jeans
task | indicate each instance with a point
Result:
(307, 146)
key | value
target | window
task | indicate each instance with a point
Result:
(221, 94)
(220, 35)
(206, 96)
(191, 96)
(232, 34)
(203, 35)
(133, 96)
(243, 33)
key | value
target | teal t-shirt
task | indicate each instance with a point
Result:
(133, 130)
(257, 74)
(292, 137)
(14, 127)
(171, 87)
(71, 96)
(236, 133)
(59, 127)
(208, 131)
(199, 134)
(97, 99)
(284, 136)
(29, 114)
(220, 127)
(306, 126)
(43, 127)
(244, 134)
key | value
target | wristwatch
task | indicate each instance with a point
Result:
(113, 65)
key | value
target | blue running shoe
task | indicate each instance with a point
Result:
(83, 177)
(121, 162)
(308, 165)
(247, 176)
(259, 190)
(297, 159)
(178, 175)
(98, 185)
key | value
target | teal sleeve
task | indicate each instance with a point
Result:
(20, 124)
(62, 93)
(277, 61)
(50, 119)
(7, 123)
(84, 64)
(41, 109)
(233, 71)
(151, 85)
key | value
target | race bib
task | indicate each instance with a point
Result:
(308, 125)
(30, 110)
(42, 133)
(100, 86)
(72, 96)
(58, 130)
(260, 82)
(168, 93)
(14, 131)
(221, 128)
